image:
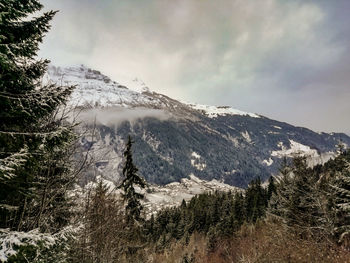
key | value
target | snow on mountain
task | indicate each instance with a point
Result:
(215, 111)
(173, 193)
(197, 161)
(268, 162)
(295, 149)
(93, 89)
(97, 90)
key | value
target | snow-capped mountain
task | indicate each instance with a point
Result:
(95, 90)
(174, 140)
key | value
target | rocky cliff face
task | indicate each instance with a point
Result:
(174, 140)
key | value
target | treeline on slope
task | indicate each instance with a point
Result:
(169, 162)
(216, 214)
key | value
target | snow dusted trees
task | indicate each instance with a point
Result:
(340, 198)
(34, 140)
(315, 201)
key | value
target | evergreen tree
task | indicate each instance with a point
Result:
(340, 193)
(131, 179)
(299, 201)
(34, 174)
(303, 210)
(255, 201)
(239, 211)
(271, 188)
(279, 201)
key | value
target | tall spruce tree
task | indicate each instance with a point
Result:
(303, 209)
(33, 140)
(255, 200)
(271, 188)
(298, 199)
(279, 201)
(131, 179)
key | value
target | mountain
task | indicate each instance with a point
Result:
(174, 140)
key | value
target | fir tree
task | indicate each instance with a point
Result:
(340, 192)
(131, 179)
(279, 201)
(271, 189)
(303, 210)
(255, 200)
(298, 200)
(239, 211)
(33, 140)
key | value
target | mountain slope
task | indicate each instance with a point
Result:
(174, 139)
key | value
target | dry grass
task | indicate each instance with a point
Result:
(263, 242)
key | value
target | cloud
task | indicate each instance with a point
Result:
(115, 116)
(253, 55)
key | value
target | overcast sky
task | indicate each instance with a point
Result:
(287, 60)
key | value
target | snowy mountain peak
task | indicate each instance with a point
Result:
(94, 89)
(134, 84)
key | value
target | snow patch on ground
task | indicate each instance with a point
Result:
(298, 149)
(277, 127)
(295, 149)
(232, 172)
(268, 162)
(246, 136)
(197, 161)
(172, 194)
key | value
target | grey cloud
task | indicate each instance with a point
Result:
(115, 116)
(283, 59)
